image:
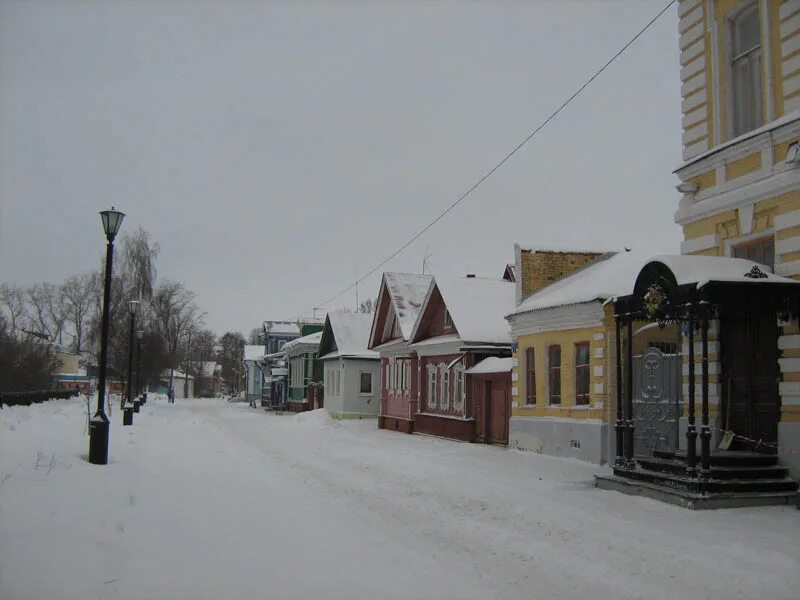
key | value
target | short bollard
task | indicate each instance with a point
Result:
(136, 404)
(127, 415)
(144, 398)
(98, 440)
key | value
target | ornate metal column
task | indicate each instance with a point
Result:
(629, 396)
(619, 426)
(691, 430)
(705, 431)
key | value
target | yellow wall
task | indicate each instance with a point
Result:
(567, 340)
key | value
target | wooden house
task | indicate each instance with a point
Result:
(399, 301)
(460, 323)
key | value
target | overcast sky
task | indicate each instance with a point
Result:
(276, 150)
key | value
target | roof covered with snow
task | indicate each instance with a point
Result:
(311, 339)
(493, 364)
(407, 292)
(253, 352)
(208, 368)
(281, 328)
(350, 335)
(609, 276)
(705, 269)
(477, 306)
(565, 249)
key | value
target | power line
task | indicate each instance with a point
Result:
(505, 159)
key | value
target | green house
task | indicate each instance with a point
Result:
(303, 366)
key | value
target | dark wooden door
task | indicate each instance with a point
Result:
(497, 425)
(750, 375)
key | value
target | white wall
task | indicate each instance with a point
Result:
(350, 402)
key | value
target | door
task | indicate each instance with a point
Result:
(656, 397)
(497, 412)
(750, 375)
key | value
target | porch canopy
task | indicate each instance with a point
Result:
(490, 366)
(690, 291)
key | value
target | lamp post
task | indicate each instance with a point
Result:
(133, 309)
(139, 338)
(99, 424)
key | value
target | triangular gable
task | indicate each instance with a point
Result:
(328, 342)
(400, 299)
(431, 320)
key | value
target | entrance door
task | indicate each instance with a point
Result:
(750, 374)
(656, 396)
(497, 412)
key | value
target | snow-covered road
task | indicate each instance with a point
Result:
(205, 499)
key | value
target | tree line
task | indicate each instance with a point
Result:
(39, 319)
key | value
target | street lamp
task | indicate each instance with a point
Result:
(133, 309)
(99, 424)
(139, 338)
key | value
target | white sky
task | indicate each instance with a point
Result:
(277, 149)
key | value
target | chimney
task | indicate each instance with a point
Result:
(470, 275)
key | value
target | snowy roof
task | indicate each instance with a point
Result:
(253, 352)
(175, 374)
(705, 269)
(477, 306)
(609, 276)
(350, 334)
(207, 368)
(310, 339)
(281, 327)
(407, 292)
(493, 364)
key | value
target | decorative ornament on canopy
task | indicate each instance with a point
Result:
(756, 273)
(654, 302)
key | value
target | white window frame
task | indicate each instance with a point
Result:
(433, 386)
(730, 20)
(448, 319)
(445, 387)
(459, 395)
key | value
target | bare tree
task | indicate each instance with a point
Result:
(175, 315)
(80, 293)
(12, 302)
(139, 254)
(45, 310)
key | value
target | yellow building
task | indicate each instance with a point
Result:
(562, 330)
(740, 179)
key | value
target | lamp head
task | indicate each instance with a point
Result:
(140, 334)
(112, 221)
(133, 307)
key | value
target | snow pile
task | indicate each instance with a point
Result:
(314, 420)
(208, 500)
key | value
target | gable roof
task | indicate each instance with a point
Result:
(312, 339)
(406, 293)
(281, 328)
(477, 306)
(346, 335)
(609, 276)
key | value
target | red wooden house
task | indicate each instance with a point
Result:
(461, 323)
(399, 300)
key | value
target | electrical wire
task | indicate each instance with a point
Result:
(505, 159)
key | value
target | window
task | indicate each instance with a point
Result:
(432, 386)
(745, 57)
(327, 383)
(760, 251)
(530, 376)
(336, 381)
(448, 320)
(445, 388)
(366, 383)
(458, 399)
(582, 374)
(554, 365)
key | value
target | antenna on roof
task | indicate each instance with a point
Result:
(425, 258)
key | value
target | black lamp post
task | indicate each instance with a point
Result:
(139, 338)
(133, 308)
(99, 424)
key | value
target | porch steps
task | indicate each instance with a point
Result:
(736, 479)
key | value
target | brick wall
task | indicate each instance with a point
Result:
(542, 267)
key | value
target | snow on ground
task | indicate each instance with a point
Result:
(205, 499)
